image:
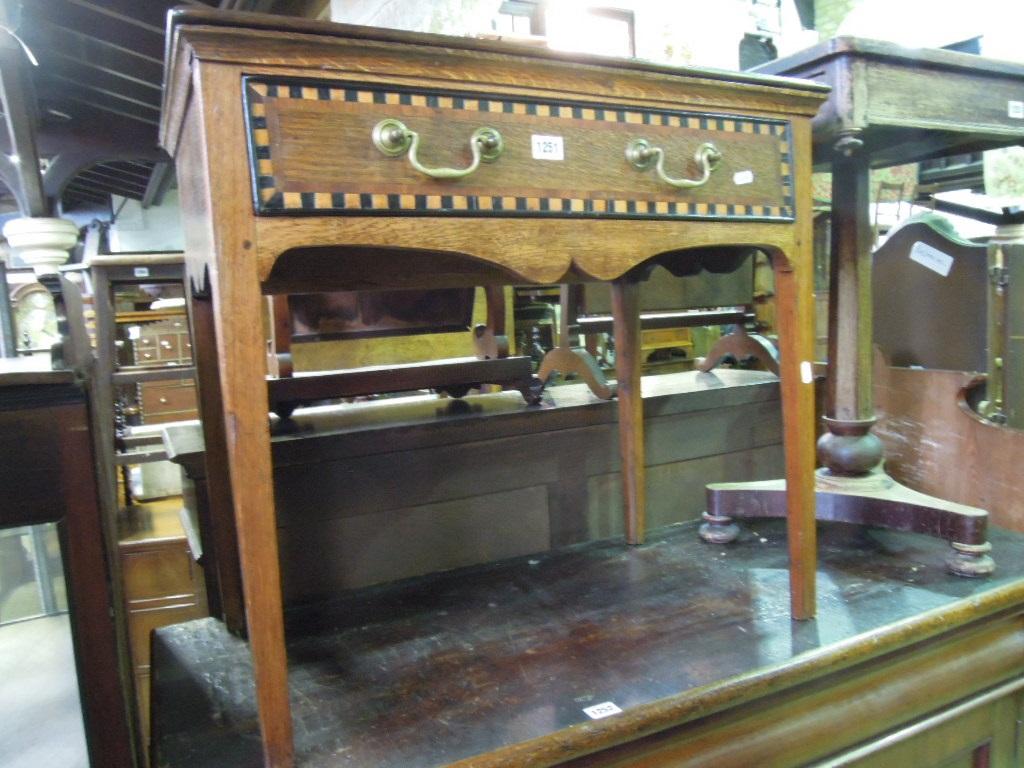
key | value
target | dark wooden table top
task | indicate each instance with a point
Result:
(909, 104)
(503, 659)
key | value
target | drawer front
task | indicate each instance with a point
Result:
(312, 152)
(169, 346)
(158, 397)
(160, 572)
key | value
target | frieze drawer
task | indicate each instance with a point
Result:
(332, 147)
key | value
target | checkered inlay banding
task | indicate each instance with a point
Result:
(269, 199)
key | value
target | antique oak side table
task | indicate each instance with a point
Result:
(314, 156)
(888, 105)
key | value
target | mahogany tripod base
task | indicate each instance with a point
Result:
(870, 499)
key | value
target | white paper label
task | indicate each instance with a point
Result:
(141, 271)
(547, 147)
(933, 258)
(806, 372)
(134, 332)
(1015, 109)
(604, 709)
(743, 177)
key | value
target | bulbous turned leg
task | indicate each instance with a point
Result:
(718, 529)
(849, 448)
(970, 560)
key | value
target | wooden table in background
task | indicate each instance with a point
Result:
(48, 475)
(888, 105)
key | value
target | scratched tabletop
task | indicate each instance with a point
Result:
(470, 665)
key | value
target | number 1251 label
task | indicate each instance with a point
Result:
(547, 147)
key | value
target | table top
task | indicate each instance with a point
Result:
(180, 17)
(31, 370)
(909, 104)
(441, 668)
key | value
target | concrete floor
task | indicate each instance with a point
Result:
(40, 713)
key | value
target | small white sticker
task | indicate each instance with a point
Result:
(930, 257)
(1015, 109)
(134, 332)
(743, 177)
(603, 709)
(141, 271)
(547, 147)
(806, 372)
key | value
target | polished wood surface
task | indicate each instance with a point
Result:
(938, 444)
(48, 475)
(493, 666)
(233, 254)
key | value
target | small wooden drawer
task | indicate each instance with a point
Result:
(157, 572)
(312, 152)
(142, 622)
(160, 397)
(169, 346)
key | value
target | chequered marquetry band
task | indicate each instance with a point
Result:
(269, 199)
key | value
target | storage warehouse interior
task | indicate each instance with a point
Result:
(511, 383)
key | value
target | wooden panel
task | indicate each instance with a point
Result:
(312, 152)
(665, 502)
(142, 622)
(935, 444)
(157, 572)
(353, 551)
(983, 737)
(967, 102)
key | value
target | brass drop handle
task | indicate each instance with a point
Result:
(392, 138)
(642, 155)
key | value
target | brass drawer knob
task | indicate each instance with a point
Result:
(392, 138)
(642, 155)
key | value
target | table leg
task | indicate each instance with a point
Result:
(241, 359)
(223, 560)
(626, 319)
(795, 318)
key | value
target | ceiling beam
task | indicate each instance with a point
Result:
(159, 183)
(77, 69)
(95, 105)
(113, 189)
(73, 42)
(110, 27)
(152, 105)
(92, 177)
(19, 112)
(130, 14)
(130, 173)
